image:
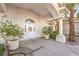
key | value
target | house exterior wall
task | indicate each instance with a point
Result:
(19, 16)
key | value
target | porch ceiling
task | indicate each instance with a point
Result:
(43, 9)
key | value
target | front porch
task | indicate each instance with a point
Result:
(50, 47)
(32, 18)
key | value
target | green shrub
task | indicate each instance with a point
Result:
(47, 30)
(2, 49)
(53, 34)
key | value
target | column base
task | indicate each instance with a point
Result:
(61, 38)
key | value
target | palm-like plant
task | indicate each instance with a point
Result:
(71, 22)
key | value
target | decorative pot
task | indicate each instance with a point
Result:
(13, 44)
(46, 36)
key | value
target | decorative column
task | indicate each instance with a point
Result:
(61, 26)
(61, 37)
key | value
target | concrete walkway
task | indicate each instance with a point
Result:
(51, 48)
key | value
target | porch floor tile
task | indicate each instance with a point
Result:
(51, 47)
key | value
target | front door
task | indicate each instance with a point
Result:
(29, 31)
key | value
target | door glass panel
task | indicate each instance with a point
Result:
(30, 29)
(34, 29)
(29, 25)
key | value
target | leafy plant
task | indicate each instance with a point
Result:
(53, 34)
(2, 49)
(7, 29)
(47, 30)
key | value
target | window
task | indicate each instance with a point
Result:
(29, 21)
(29, 29)
(29, 25)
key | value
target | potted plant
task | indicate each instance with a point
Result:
(12, 33)
(53, 34)
(46, 31)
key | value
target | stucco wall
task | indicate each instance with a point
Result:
(19, 16)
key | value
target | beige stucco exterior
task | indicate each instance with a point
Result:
(18, 16)
(41, 14)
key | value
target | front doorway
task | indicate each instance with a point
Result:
(29, 29)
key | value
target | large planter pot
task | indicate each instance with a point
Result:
(46, 36)
(13, 44)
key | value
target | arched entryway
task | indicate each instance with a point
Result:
(29, 29)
